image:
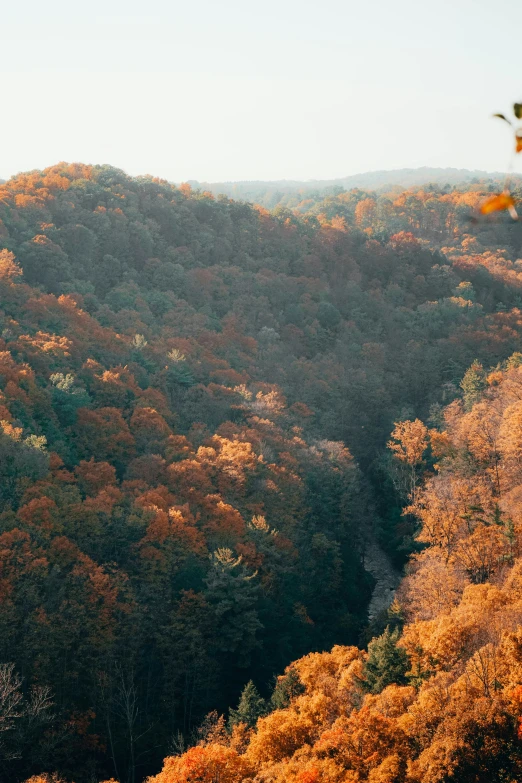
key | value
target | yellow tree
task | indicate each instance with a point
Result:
(409, 441)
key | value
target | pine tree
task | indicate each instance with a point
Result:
(232, 592)
(179, 374)
(386, 663)
(286, 688)
(473, 384)
(251, 707)
(67, 397)
(515, 360)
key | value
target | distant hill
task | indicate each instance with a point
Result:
(270, 193)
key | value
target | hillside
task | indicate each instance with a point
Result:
(269, 194)
(196, 397)
(440, 697)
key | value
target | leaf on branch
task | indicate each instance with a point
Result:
(517, 110)
(502, 117)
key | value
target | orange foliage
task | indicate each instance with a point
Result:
(206, 764)
(149, 428)
(105, 433)
(94, 476)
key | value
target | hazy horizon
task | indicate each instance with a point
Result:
(352, 175)
(312, 181)
(238, 93)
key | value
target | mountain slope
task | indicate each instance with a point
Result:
(443, 700)
(195, 401)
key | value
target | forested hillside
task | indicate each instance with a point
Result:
(290, 192)
(441, 701)
(195, 399)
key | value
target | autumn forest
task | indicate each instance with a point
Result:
(225, 428)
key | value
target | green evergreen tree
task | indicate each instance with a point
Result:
(473, 384)
(328, 315)
(233, 593)
(286, 688)
(67, 398)
(515, 360)
(251, 707)
(180, 374)
(386, 663)
(21, 459)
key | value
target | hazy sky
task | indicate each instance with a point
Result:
(280, 89)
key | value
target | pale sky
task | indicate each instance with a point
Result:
(234, 90)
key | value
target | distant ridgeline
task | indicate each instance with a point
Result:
(195, 400)
(289, 192)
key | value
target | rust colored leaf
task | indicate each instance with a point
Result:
(497, 203)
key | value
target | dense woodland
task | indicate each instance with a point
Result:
(208, 412)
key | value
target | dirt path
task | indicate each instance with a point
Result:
(377, 562)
